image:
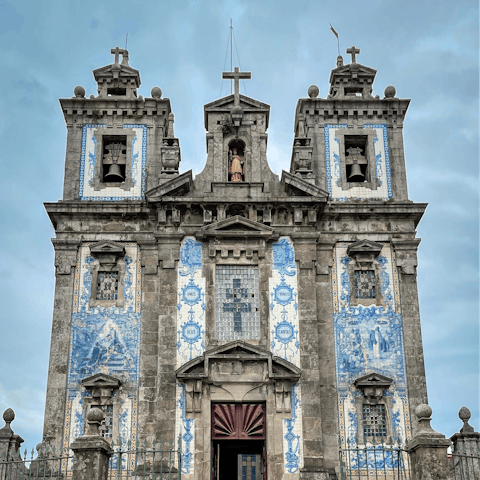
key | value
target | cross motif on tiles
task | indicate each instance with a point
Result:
(236, 306)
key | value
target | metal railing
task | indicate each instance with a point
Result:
(46, 466)
(374, 461)
(465, 461)
(160, 461)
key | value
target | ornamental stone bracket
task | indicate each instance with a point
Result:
(65, 255)
(107, 253)
(169, 249)
(324, 257)
(406, 255)
(237, 372)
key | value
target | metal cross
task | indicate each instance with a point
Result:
(236, 307)
(236, 76)
(117, 52)
(353, 51)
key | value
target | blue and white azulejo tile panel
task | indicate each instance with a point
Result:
(284, 341)
(104, 340)
(89, 160)
(190, 336)
(369, 339)
(191, 302)
(382, 165)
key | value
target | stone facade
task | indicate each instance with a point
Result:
(294, 297)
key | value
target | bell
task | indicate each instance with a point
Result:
(114, 173)
(356, 174)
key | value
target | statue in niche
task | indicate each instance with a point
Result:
(235, 167)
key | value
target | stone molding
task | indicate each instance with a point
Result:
(65, 255)
(406, 255)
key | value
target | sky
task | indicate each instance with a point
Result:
(427, 49)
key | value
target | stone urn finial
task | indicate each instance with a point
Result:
(464, 414)
(8, 417)
(94, 420)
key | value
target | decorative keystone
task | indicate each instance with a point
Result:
(464, 414)
(94, 420)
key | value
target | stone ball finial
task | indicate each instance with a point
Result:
(423, 411)
(95, 415)
(79, 91)
(156, 93)
(313, 91)
(390, 92)
(8, 415)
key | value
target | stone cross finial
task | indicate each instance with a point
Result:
(236, 76)
(353, 51)
(117, 52)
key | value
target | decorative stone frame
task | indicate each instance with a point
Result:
(103, 388)
(364, 254)
(236, 241)
(247, 155)
(100, 132)
(373, 387)
(369, 154)
(111, 258)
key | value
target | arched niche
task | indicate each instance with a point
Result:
(236, 161)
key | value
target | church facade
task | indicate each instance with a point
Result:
(266, 321)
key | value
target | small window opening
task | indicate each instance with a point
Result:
(114, 158)
(353, 91)
(364, 283)
(374, 421)
(107, 285)
(355, 158)
(116, 91)
(106, 427)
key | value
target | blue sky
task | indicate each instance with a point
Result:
(427, 49)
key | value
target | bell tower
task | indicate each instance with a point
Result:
(351, 143)
(119, 144)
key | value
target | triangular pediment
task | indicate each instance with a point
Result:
(101, 380)
(199, 368)
(364, 246)
(106, 246)
(373, 380)
(176, 187)
(228, 102)
(117, 71)
(237, 226)
(225, 105)
(297, 187)
(358, 68)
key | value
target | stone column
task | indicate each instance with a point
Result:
(465, 461)
(428, 449)
(91, 451)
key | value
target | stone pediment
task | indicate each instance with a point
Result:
(117, 71)
(226, 104)
(107, 247)
(296, 186)
(353, 69)
(231, 362)
(373, 380)
(176, 187)
(238, 372)
(364, 246)
(236, 226)
(101, 380)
